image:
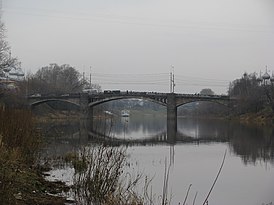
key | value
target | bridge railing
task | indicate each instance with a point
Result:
(109, 93)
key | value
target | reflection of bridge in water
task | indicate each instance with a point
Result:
(171, 101)
(160, 138)
(82, 135)
(251, 143)
(164, 137)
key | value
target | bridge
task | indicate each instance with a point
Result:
(90, 100)
(86, 101)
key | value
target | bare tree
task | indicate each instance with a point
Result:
(56, 79)
(206, 91)
(5, 54)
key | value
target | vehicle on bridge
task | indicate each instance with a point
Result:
(112, 91)
(90, 90)
(65, 95)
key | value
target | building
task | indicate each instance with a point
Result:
(265, 79)
(9, 77)
(12, 73)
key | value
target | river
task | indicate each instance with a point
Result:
(194, 155)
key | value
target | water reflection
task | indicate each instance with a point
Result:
(251, 143)
(193, 151)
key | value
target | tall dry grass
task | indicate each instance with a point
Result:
(99, 177)
(19, 145)
(18, 134)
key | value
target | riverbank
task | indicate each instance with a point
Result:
(21, 177)
(264, 117)
(25, 186)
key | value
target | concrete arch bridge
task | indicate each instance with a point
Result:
(87, 101)
(172, 101)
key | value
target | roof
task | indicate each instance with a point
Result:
(16, 71)
(266, 76)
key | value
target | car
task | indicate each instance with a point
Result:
(65, 95)
(90, 90)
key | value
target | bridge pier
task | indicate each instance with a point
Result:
(171, 118)
(86, 111)
(89, 118)
(83, 129)
(84, 105)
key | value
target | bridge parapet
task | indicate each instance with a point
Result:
(99, 98)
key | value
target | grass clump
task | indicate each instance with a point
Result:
(103, 180)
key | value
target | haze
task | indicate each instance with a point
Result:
(133, 45)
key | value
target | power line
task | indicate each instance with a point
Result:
(52, 13)
(130, 83)
(156, 79)
(1, 8)
(139, 74)
(199, 78)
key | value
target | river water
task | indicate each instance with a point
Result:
(194, 155)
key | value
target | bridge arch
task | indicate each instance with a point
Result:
(223, 103)
(34, 104)
(101, 101)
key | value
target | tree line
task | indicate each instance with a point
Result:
(253, 93)
(58, 79)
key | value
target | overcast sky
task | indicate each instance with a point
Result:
(133, 44)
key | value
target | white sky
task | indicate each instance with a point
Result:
(209, 42)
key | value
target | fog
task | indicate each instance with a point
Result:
(134, 45)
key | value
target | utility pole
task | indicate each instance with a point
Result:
(90, 78)
(172, 80)
(173, 83)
